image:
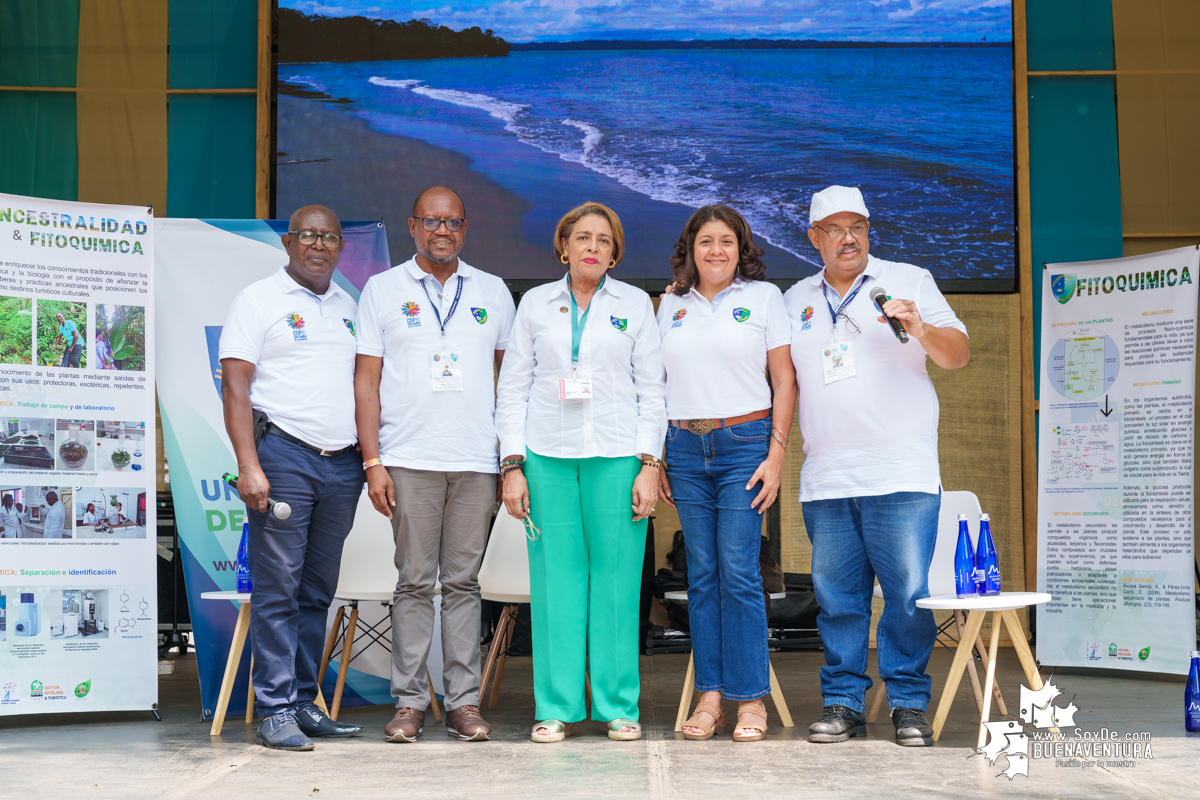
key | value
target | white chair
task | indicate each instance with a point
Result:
(368, 574)
(503, 578)
(941, 582)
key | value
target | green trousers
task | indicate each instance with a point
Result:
(585, 574)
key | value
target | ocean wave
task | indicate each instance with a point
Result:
(378, 81)
(591, 134)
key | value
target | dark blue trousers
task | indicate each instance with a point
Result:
(294, 564)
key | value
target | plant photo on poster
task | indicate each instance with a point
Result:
(16, 330)
(61, 333)
(529, 108)
(121, 337)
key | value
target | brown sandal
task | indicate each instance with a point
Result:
(753, 715)
(715, 711)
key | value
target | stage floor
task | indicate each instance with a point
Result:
(131, 755)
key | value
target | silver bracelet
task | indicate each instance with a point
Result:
(779, 439)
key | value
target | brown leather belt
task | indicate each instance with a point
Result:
(703, 426)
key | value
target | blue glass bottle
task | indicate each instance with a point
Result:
(987, 563)
(243, 561)
(964, 562)
(1191, 696)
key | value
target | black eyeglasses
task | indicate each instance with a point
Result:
(431, 224)
(331, 240)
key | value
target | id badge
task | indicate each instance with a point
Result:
(576, 387)
(445, 369)
(837, 360)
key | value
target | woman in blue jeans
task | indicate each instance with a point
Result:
(722, 328)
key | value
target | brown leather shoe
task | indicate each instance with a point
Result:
(405, 726)
(465, 723)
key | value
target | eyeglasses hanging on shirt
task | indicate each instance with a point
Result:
(445, 359)
(837, 356)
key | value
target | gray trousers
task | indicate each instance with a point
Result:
(440, 527)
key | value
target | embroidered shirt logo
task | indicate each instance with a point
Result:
(677, 320)
(563, 309)
(619, 324)
(806, 317)
(411, 310)
(350, 326)
(741, 314)
(296, 323)
(480, 315)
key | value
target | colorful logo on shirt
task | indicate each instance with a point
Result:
(350, 327)
(411, 310)
(741, 314)
(806, 317)
(563, 309)
(296, 323)
(677, 320)
(480, 315)
(619, 324)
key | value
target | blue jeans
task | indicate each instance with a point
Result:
(726, 608)
(294, 565)
(854, 539)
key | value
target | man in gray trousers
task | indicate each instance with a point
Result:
(429, 332)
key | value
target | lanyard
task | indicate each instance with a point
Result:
(577, 325)
(834, 314)
(449, 313)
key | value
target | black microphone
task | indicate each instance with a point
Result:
(879, 297)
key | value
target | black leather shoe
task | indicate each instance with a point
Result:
(315, 722)
(912, 729)
(280, 732)
(837, 724)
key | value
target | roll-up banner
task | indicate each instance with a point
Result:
(1115, 462)
(201, 266)
(78, 599)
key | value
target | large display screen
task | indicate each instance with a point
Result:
(528, 108)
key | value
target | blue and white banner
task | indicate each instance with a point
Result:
(201, 266)
(78, 595)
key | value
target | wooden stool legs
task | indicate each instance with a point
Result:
(689, 688)
(240, 629)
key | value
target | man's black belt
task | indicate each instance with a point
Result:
(274, 429)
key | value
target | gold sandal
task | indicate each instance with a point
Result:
(755, 715)
(715, 711)
(556, 731)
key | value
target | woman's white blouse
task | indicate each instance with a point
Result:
(619, 351)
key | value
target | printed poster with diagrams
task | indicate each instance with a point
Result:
(78, 602)
(1115, 462)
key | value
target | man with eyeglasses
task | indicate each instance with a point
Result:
(287, 360)
(430, 333)
(870, 484)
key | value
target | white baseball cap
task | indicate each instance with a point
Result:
(835, 200)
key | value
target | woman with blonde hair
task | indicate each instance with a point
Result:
(581, 421)
(731, 390)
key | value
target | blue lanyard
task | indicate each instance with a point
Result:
(449, 313)
(834, 314)
(577, 325)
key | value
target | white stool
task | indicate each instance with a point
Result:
(1003, 607)
(503, 578)
(689, 680)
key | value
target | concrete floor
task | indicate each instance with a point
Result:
(130, 755)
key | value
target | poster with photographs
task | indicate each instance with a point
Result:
(78, 624)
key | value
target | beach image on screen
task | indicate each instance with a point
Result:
(528, 109)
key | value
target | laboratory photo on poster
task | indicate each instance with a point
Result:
(529, 108)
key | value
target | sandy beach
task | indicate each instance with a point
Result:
(370, 173)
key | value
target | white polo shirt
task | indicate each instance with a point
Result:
(716, 353)
(303, 349)
(874, 433)
(618, 350)
(444, 431)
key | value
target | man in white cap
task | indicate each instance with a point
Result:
(870, 483)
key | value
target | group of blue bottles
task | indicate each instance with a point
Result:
(1191, 696)
(976, 569)
(243, 561)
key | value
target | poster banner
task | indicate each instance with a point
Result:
(1115, 462)
(78, 587)
(201, 266)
